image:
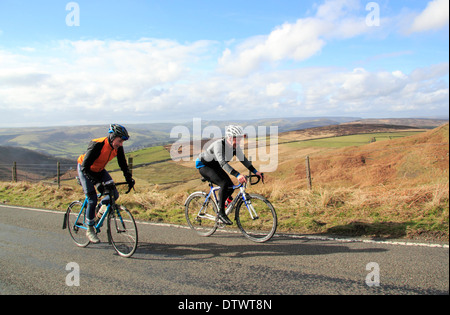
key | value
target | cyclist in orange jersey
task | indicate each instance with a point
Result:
(91, 170)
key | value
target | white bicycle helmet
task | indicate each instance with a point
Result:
(234, 131)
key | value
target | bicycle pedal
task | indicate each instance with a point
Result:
(220, 224)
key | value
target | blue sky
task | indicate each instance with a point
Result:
(145, 61)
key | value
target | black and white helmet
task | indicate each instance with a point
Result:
(234, 131)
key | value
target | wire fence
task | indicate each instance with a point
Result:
(56, 173)
(53, 173)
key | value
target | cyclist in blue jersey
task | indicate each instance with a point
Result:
(213, 165)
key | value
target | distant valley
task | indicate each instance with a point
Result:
(69, 142)
(37, 150)
(31, 165)
(377, 179)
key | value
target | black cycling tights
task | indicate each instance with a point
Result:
(218, 176)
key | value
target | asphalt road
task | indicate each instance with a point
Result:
(38, 257)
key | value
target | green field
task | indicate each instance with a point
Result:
(158, 168)
(353, 140)
(164, 173)
(145, 156)
(149, 155)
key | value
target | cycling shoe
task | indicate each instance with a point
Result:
(224, 218)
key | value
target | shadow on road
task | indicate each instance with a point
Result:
(280, 247)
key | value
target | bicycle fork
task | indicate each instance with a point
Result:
(248, 203)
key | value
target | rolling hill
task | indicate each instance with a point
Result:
(293, 148)
(410, 161)
(71, 141)
(31, 165)
(341, 130)
(397, 186)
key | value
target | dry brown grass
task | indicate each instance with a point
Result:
(395, 188)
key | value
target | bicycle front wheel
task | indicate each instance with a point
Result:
(256, 218)
(122, 231)
(201, 214)
(76, 218)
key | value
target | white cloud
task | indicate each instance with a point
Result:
(316, 91)
(275, 89)
(84, 75)
(98, 81)
(149, 80)
(295, 41)
(434, 17)
(375, 93)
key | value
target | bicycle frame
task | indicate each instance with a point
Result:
(121, 227)
(242, 195)
(258, 227)
(105, 214)
(100, 222)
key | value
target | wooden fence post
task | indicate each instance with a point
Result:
(14, 172)
(130, 165)
(58, 174)
(308, 173)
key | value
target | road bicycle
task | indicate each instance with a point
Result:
(121, 226)
(254, 214)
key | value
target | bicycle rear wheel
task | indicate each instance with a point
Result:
(76, 218)
(201, 216)
(122, 231)
(257, 219)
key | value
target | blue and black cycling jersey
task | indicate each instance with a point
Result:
(221, 152)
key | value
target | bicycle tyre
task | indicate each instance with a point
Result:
(122, 231)
(77, 230)
(261, 229)
(204, 224)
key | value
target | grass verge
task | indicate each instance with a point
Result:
(379, 212)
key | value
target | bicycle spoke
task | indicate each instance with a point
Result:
(202, 221)
(124, 238)
(75, 224)
(257, 219)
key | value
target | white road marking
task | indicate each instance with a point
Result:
(293, 236)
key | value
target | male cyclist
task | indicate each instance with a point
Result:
(91, 170)
(213, 165)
